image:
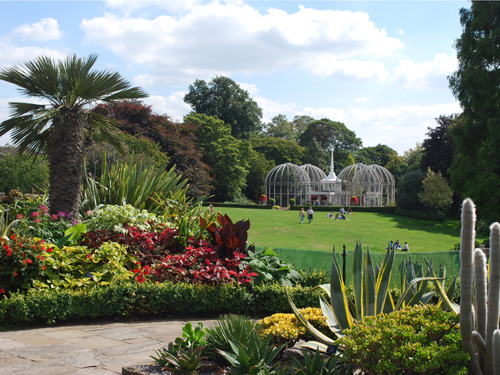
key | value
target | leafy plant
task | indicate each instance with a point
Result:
(269, 266)
(6, 223)
(230, 327)
(131, 183)
(317, 364)
(415, 340)
(285, 329)
(370, 292)
(21, 261)
(77, 266)
(184, 214)
(253, 358)
(114, 218)
(182, 360)
(229, 238)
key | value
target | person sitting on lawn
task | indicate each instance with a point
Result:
(397, 245)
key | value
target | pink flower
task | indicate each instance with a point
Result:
(90, 213)
(19, 216)
(54, 217)
(44, 209)
(38, 221)
(35, 214)
(74, 222)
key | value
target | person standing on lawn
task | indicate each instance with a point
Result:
(310, 214)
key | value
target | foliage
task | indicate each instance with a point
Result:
(229, 327)
(285, 329)
(21, 173)
(59, 129)
(77, 266)
(271, 202)
(436, 195)
(21, 262)
(316, 365)
(292, 202)
(184, 360)
(475, 172)
(379, 154)
(147, 300)
(417, 340)
(176, 141)
(257, 356)
(408, 188)
(133, 184)
(258, 167)
(437, 147)
(370, 292)
(229, 238)
(329, 134)
(269, 267)
(41, 224)
(398, 167)
(225, 99)
(203, 264)
(222, 152)
(185, 214)
(114, 218)
(279, 150)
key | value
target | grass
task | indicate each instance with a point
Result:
(282, 229)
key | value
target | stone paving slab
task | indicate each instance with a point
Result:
(96, 349)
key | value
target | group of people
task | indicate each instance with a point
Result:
(397, 246)
(302, 215)
(310, 214)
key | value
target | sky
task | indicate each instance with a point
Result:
(380, 67)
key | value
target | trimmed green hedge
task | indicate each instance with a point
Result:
(165, 300)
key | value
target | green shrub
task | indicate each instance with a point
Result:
(415, 340)
(21, 261)
(285, 329)
(271, 202)
(149, 300)
(77, 266)
(269, 266)
(112, 217)
(292, 202)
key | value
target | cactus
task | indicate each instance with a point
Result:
(479, 317)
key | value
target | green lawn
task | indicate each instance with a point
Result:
(282, 229)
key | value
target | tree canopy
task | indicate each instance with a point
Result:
(475, 171)
(61, 125)
(225, 99)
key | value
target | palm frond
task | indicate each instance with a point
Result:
(106, 128)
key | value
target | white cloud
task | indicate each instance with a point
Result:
(429, 74)
(227, 38)
(172, 105)
(45, 29)
(397, 127)
(362, 99)
(11, 54)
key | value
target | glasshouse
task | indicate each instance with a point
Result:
(356, 185)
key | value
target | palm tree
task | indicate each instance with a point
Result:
(56, 122)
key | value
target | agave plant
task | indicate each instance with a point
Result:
(254, 358)
(317, 364)
(371, 296)
(229, 328)
(181, 360)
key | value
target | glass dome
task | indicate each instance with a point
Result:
(287, 181)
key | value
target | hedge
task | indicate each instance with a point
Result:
(142, 301)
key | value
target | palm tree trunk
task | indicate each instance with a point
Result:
(66, 162)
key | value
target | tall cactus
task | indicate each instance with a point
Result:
(479, 322)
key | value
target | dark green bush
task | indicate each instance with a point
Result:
(149, 301)
(416, 340)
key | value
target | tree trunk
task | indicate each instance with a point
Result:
(66, 161)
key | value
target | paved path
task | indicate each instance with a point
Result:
(100, 349)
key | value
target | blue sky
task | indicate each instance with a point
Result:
(380, 67)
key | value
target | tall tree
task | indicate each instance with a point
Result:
(279, 150)
(225, 99)
(327, 134)
(59, 127)
(475, 172)
(436, 194)
(379, 154)
(437, 147)
(222, 154)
